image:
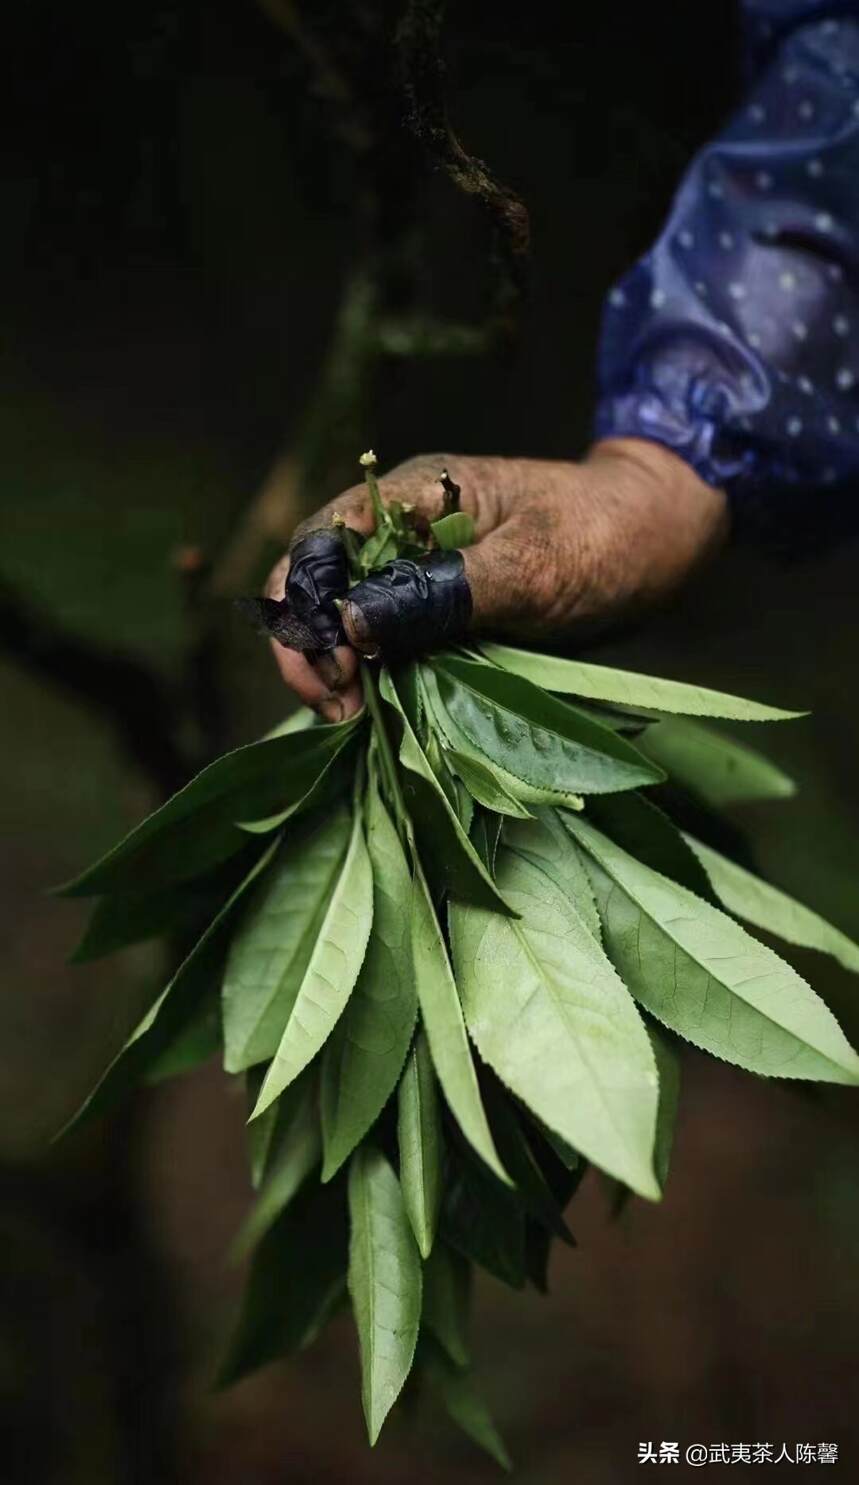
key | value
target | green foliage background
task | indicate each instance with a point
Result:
(175, 235)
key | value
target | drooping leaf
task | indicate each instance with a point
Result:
(196, 829)
(668, 1067)
(464, 1404)
(565, 1036)
(332, 781)
(332, 969)
(715, 767)
(295, 1152)
(485, 785)
(545, 842)
(702, 975)
(259, 1134)
(384, 1282)
(544, 742)
(175, 1008)
(297, 1278)
(134, 917)
(444, 844)
(455, 530)
(198, 1041)
(366, 1051)
(445, 1027)
(531, 1185)
(644, 830)
(625, 687)
(447, 1289)
(748, 897)
(485, 1222)
(419, 1137)
(271, 950)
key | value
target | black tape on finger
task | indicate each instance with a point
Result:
(409, 607)
(306, 618)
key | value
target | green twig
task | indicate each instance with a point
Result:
(386, 752)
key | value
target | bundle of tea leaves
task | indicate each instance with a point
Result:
(450, 945)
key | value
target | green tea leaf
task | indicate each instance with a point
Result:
(668, 1067)
(420, 1143)
(447, 1289)
(295, 1152)
(196, 829)
(384, 1282)
(546, 743)
(272, 947)
(132, 917)
(485, 835)
(640, 827)
(748, 897)
(297, 1278)
(485, 785)
(707, 979)
(260, 1134)
(546, 843)
(485, 1222)
(444, 844)
(565, 1036)
(333, 780)
(175, 1008)
(718, 769)
(531, 1185)
(464, 1404)
(626, 688)
(445, 1028)
(196, 1043)
(455, 530)
(364, 1055)
(331, 972)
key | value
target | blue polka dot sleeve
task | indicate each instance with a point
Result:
(735, 340)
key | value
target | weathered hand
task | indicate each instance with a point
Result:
(560, 547)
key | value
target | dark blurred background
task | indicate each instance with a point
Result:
(209, 209)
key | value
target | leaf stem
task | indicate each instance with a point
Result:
(386, 752)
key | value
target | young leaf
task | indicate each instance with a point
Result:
(384, 1282)
(364, 1055)
(463, 1402)
(272, 947)
(196, 829)
(748, 897)
(444, 843)
(565, 1036)
(297, 1277)
(447, 1287)
(455, 530)
(718, 769)
(707, 979)
(175, 1008)
(668, 1067)
(626, 688)
(547, 743)
(420, 1143)
(546, 843)
(445, 1028)
(331, 972)
(295, 1152)
(485, 785)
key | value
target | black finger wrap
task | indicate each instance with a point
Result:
(318, 573)
(410, 607)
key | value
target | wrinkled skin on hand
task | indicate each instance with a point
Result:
(561, 548)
